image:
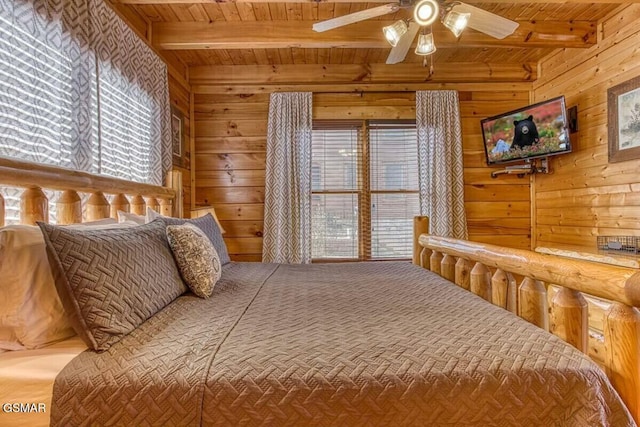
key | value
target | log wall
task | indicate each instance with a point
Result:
(230, 147)
(586, 196)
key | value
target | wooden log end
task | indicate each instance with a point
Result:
(632, 289)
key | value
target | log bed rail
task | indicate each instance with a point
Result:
(34, 205)
(550, 296)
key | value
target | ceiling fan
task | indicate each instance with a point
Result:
(456, 16)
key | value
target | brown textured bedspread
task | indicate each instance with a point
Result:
(334, 345)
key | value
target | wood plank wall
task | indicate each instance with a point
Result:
(586, 196)
(230, 149)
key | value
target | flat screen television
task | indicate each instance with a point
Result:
(538, 130)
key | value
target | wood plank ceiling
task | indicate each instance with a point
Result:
(201, 33)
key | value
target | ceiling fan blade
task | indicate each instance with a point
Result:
(487, 22)
(399, 51)
(340, 21)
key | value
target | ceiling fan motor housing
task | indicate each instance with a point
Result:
(426, 12)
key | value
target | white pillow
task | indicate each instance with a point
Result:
(31, 314)
(126, 216)
(151, 215)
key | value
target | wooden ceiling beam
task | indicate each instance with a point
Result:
(334, 74)
(366, 34)
(360, 1)
(236, 89)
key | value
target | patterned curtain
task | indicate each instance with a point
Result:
(287, 209)
(440, 166)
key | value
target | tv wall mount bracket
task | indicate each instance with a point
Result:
(530, 167)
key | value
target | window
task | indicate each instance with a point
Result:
(80, 90)
(36, 81)
(363, 207)
(316, 177)
(394, 175)
(335, 193)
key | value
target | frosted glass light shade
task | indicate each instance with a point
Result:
(456, 22)
(426, 44)
(394, 32)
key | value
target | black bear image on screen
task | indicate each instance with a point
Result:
(534, 131)
(525, 133)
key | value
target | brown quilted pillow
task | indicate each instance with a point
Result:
(207, 224)
(197, 259)
(111, 281)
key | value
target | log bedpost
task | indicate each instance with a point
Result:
(435, 262)
(69, 208)
(463, 273)
(425, 257)
(34, 206)
(503, 290)
(480, 281)
(166, 207)
(570, 318)
(621, 339)
(138, 205)
(448, 267)
(420, 226)
(152, 203)
(174, 180)
(119, 203)
(97, 207)
(533, 303)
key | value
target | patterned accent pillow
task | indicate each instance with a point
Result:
(205, 223)
(197, 259)
(111, 281)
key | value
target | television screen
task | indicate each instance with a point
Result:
(539, 130)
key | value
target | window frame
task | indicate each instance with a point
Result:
(363, 191)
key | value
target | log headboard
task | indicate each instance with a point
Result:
(127, 196)
(551, 295)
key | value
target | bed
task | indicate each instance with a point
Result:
(324, 344)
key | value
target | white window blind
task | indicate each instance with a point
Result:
(335, 153)
(394, 188)
(35, 87)
(133, 109)
(364, 189)
(125, 127)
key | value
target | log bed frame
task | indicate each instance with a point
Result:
(34, 205)
(558, 306)
(550, 295)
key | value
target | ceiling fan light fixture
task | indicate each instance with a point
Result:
(426, 45)
(394, 32)
(456, 22)
(426, 12)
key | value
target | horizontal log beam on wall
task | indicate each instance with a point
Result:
(366, 34)
(316, 75)
(246, 89)
(476, 2)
